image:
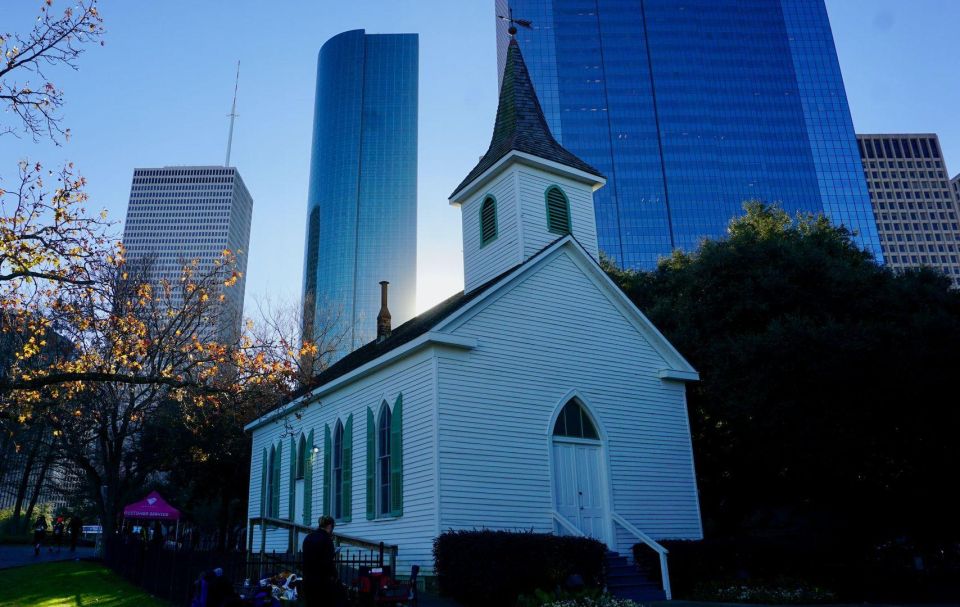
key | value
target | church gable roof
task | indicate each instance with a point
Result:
(520, 124)
(675, 367)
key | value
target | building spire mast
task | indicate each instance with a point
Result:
(232, 115)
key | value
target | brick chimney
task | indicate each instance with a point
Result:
(383, 318)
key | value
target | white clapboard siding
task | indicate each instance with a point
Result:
(533, 190)
(414, 531)
(481, 263)
(554, 332)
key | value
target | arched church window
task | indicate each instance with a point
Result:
(273, 484)
(338, 471)
(488, 220)
(558, 211)
(383, 461)
(301, 458)
(574, 422)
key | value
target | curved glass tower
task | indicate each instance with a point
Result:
(362, 201)
(690, 108)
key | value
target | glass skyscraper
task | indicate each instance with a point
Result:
(362, 201)
(690, 108)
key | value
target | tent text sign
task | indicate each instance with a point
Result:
(151, 507)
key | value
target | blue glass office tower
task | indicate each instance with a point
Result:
(362, 202)
(690, 108)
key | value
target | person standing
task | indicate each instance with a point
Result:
(321, 586)
(58, 530)
(39, 534)
(76, 529)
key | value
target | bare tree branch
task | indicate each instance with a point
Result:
(55, 40)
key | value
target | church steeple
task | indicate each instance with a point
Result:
(527, 191)
(520, 124)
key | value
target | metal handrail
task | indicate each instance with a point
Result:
(649, 541)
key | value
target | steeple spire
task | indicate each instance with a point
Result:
(520, 124)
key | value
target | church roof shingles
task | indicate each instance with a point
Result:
(520, 124)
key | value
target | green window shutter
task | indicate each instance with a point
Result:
(348, 470)
(396, 458)
(275, 485)
(327, 468)
(263, 484)
(488, 220)
(371, 467)
(292, 490)
(308, 483)
(558, 211)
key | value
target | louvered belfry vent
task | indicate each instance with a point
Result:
(488, 220)
(558, 211)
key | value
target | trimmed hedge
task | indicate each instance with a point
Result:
(495, 567)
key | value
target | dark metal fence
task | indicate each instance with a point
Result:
(172, 574)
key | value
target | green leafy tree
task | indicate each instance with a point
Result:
(827, 401)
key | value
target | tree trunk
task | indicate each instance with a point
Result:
(38, 485)
(22, 487)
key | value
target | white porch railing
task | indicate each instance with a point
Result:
(566, 524)
(640, 535)
(649, 541)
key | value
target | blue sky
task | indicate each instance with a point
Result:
(159, 90)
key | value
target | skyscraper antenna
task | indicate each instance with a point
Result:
(232, 115)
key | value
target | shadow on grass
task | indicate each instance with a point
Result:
(70, 584)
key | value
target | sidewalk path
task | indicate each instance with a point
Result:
(15, 555)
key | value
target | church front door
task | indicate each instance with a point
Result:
(579, 487)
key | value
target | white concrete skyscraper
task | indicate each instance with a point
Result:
(178, 214)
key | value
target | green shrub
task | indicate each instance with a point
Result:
(8, 526)
(496, 567)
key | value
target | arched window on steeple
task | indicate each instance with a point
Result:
(558, 211)
(488, 220)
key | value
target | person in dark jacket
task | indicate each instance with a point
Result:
(58, 530)
(76, 529)
(321, 586)
(39, 534)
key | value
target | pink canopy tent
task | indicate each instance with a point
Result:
(152, 507)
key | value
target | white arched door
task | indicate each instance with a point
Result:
(579, 482)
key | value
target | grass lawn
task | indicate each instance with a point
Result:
(70, 584)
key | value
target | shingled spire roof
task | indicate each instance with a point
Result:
(520, 123)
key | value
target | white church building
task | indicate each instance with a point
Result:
(539, 398)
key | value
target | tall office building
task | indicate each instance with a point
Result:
(955, 184)
(178, 214)
(362, 201)
(690, 108)
(915, 209)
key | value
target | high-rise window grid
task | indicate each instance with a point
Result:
(179, 214)
(913, 203)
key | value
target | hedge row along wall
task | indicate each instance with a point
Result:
(495, 567)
